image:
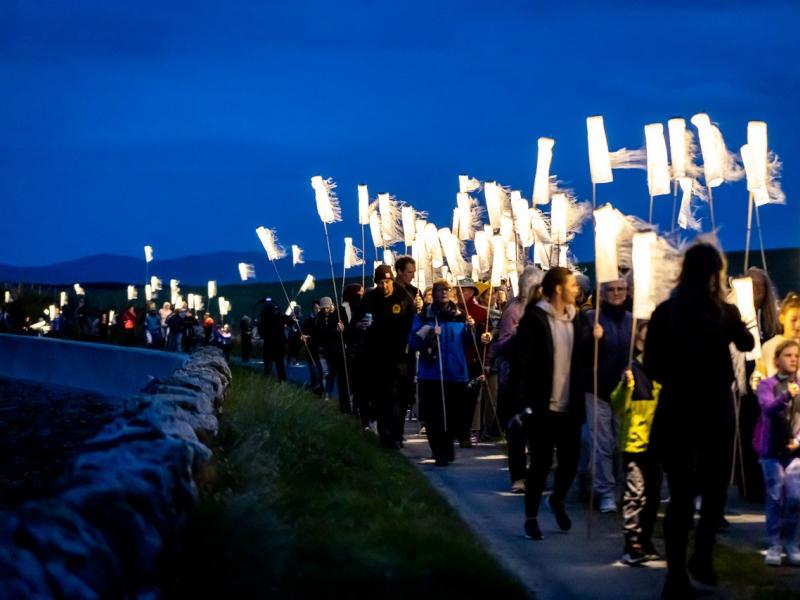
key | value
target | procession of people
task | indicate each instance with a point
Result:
(521, 369)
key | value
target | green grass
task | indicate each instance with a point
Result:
(300, 502)
(746, 575)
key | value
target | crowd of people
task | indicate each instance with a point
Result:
(560, 371)
(174, 328)
(671, 393)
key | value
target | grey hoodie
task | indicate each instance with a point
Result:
(563, 339)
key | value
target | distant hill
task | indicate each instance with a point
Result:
(194, 270)
(783, 263)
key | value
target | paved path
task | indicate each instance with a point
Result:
(563, 565)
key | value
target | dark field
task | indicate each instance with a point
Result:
(41, 431)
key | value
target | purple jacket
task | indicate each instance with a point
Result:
(499, 350)
(773, 428)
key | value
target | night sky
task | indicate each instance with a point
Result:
(185, 125)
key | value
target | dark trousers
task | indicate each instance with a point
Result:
(546, 432)
(516, 435)
(749, 475)
(465, 413)
(314, 373)
(247, 346)
(641, 497)
(440, 415)
(383, 394)
(276, 355)
(333, 370)
(705, 470)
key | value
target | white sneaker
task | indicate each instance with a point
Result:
(373, 427)
(793, 554)
(518, 487)
(773, 557)
(607, 504)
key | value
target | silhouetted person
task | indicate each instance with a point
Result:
(687, 351)
(271, 328)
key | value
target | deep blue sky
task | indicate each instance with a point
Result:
(187, 124)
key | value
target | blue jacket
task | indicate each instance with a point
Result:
(453, 340)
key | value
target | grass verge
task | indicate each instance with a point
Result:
(299, 502)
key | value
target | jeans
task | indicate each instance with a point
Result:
(782, 482)
(607, 428)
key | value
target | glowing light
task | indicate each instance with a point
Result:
(148, 254)
(710, 147)
(246, 271)
(677, 146)
(558, 219)
(363, 205)
(599, 159)
(409, 229)
(308, 284)
(270, 242)
(541, 181)
(212, 289)
(658, 175)
(327, 203)
(297, 255)
(743, 286)
(607, 222)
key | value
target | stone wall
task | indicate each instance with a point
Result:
(115, 528)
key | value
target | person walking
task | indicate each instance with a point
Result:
(550, 365)
(777, 441)
(688, 351)
(380, 330)
(634, 402)
(617, 323)
(500, 354)
(442, 334)
(271, 329)
(327, 337)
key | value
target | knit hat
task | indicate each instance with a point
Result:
(325, 302)
(383, 272)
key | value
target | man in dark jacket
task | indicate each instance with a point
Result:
(307, 330)
(327, 337)
(380, 330)
(271, 329)
(550, 363)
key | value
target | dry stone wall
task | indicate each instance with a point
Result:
(115, 529)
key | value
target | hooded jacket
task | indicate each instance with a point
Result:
(533, 364)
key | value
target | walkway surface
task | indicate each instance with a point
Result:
(564, 565)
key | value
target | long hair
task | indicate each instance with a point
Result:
(702, 275)
(769, 323)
